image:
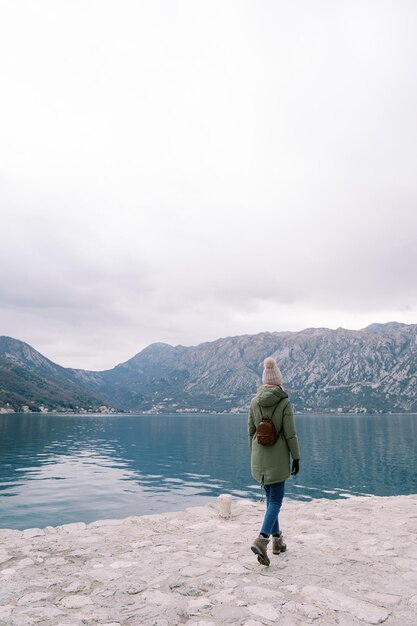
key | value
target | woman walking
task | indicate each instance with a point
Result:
(270, 462)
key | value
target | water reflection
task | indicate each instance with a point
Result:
(59, 469)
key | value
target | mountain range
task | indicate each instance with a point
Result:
(368, 370)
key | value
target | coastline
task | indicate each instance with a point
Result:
(350, 560)
(181, 412)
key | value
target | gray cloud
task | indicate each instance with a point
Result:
(182, 171)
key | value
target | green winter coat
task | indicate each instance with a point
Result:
(271, 464)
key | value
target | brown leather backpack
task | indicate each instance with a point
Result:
(266, 433)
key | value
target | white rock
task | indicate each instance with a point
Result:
(230, 583)
(82, 552)
(411, 551)
(214, 554)
(30, 533)
(135, 589)
(157, 597)
(290, 588)
(264, 593)
(76, 586)
(57, 560)
(305, 610)
(406, 564)
(336, 601)
(268, 611)
(106, 522)
(162, 549)
(205, 560)
(4, 557)
(230, 614)
(225, 596)
(36, 596)
(38, 560)
(5, 610)
(9, 572)
(383, 598)
(75, 602)
(192, 571)
(123, 564)
(47, 612)
(25, 563)
(202, 525)
(229, 528)
(22, 620)
(199, 511)
(42, 581)
(73, 529)
(140, 544)
(8, 534)
(198, 604)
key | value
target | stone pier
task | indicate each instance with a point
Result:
(349, 562)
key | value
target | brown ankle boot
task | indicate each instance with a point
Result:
(278, 544)
(259, 547)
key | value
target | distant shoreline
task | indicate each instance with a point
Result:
(187, 413)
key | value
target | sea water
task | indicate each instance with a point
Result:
(56, 469)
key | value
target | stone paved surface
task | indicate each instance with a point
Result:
(348, 562)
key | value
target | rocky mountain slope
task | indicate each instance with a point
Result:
(373, 369)
(28, 378)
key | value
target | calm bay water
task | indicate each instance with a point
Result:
(57, 469)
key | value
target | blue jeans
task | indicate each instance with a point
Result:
(274, 496)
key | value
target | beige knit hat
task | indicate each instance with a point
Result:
(271, 374)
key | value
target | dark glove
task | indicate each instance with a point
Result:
(295, 467)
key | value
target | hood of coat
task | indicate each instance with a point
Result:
(269, 396)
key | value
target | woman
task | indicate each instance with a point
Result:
(270, 464)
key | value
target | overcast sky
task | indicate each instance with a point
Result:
(180, 171)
